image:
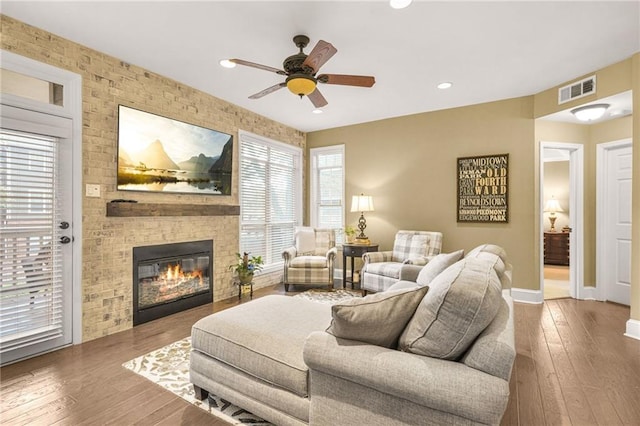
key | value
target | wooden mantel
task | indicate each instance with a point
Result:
(155, 209)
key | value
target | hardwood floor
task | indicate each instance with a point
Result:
(573, 366)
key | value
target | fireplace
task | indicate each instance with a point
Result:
(170, 278)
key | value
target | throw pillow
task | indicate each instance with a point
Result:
(437, 265)
(377, 319)
(461, 302)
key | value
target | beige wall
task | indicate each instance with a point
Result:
(107, 242)
(408, 164)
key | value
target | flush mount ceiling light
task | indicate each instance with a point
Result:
(590, 112)
(317, 111)
(399, 4)
(444, 85)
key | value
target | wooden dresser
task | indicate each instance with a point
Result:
(556, 248)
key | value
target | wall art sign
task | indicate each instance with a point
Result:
(483, 187)
(158, 154)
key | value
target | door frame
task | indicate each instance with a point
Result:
(603, 151)
(576, 218)
(72, 109)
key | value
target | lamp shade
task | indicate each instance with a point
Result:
(552, 205)
(300, 84)
(362, 203)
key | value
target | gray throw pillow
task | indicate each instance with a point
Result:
(461, 302)
(377, 319)
(437, 265)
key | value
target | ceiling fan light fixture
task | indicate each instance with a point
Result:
(227, 63)
(317, 111)
(444, 85)
(590, 112)
(300, 84)
(399, 4)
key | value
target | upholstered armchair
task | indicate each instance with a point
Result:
(411, 251)
(310, 260)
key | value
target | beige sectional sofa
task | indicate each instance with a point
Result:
(397, 357)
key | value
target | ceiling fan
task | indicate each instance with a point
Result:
(301, 70)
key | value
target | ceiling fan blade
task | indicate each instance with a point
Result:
(317, 99)
(268, 90)
(259, 66)
(347, 80)
(320, 54)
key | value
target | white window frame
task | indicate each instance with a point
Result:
(315, 188)
(244, 137)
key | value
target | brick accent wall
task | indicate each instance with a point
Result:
(107, 241)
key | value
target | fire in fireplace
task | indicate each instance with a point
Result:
(170, 278)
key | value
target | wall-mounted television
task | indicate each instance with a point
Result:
(159, 154)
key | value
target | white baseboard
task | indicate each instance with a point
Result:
(524, 295)
(589, 293)
(633, 329)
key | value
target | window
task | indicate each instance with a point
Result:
(327, 189)
(270, 196)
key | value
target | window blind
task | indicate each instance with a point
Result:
(328, 189)
(270, 196)
(31, 278)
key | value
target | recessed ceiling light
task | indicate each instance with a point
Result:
(317, 111)
(399, 4)
(445, 85)
(227, 63)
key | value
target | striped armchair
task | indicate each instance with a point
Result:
(411, 251)
(310, 260)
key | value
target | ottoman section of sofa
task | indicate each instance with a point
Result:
(264, 338)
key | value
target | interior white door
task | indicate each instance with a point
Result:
(617, 202)
(36, 233)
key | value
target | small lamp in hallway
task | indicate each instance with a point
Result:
(552, 206)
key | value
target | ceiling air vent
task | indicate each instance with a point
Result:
(577, 90)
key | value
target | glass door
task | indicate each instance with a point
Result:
(35, 233)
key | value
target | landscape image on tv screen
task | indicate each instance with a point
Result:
(159, 154)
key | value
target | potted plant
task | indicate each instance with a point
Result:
(246, 266)
(350, 234)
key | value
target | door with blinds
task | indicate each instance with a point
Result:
(36, 233)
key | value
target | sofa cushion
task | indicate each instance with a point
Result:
(494, 350)
(410, 247)
(264, 338)
(403, 285)
(437, 265)
(461, 302)
(387, 269)
(309, 262)
(498, 257)
(377, 319)
(305, 240)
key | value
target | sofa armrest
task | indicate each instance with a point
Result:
(376, 256)
(332, 253)
(442, 385)
(410, 272)
(289, 254)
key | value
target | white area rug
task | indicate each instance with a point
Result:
(169, 368)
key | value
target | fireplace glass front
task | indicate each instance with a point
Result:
(170, 278)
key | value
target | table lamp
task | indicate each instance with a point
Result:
(552, 206)
(362, 203)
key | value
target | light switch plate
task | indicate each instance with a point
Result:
(92, 190)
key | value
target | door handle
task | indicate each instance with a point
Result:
(64, 225)
(65, 240)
